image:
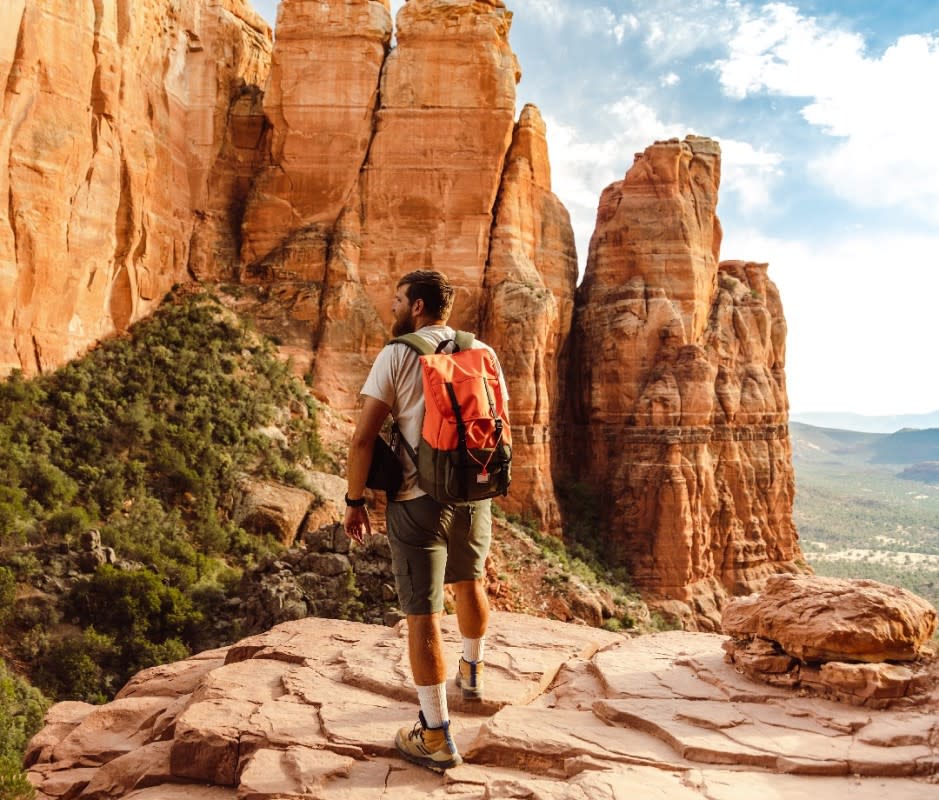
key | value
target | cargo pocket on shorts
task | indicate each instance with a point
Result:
(404, 586)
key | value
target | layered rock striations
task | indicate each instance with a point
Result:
(114, 116)
(527, 311)
(677, 390)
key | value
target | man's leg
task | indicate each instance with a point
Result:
(469, 546)
(425, 649)
(472, 608)
(416, 533)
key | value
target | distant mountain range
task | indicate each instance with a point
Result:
(847, 421)
(812, 444)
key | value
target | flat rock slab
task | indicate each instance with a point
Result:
(310, 708)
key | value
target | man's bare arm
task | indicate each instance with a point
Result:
(371, 418)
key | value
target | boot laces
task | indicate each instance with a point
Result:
(417, 732)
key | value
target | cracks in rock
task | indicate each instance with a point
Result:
(318, 708)
(36, 355)
(18, 54)
(11, 212)
(620, 757)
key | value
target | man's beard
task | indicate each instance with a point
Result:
(403, 326)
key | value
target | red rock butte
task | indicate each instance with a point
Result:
(152, 143)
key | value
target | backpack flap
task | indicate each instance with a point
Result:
(465, 451)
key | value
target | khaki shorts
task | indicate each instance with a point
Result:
(433, 544)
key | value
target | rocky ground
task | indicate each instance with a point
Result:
(309, 709)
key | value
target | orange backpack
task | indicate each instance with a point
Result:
(465, 452)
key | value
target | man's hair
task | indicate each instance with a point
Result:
(433, 288)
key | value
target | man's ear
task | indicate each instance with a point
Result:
(417, 307)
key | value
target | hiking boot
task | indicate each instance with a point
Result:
(469, 678)
(428, 747)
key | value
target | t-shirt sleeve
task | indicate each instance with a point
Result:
(380, 383)
(502, 383)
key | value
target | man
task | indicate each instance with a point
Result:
(431, 543)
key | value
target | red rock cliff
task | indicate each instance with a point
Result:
(114, 117)
(677, 390)
(145, 145)
(527, 310)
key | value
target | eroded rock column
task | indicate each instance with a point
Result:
(679, 404)
(320, 103)
(426, 192)
(527, 309)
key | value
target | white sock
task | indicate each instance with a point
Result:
(473, 649)
(433, 700)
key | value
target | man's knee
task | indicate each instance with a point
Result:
(425, 626)
(470, 590)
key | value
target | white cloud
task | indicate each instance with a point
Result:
(875, 107)
(675, 29)
(584, 163)
(625, 24)
(587, 19)
(670, 79)
(554, 12)
(788, 54)
(749, 172)
(860, 314)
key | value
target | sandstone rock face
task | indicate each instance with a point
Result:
(426, 191)
(309, 709)
(677, 391)
(527, 310)
(834, 619)
(320, 101)
(434, 167)
(114, 117)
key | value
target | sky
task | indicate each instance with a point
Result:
(827, 117)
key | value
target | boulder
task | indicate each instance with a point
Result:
(272, 508)
(834, 619)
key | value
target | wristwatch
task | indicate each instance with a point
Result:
(355, 503)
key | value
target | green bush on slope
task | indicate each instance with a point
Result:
(21, 712)
(145, 439)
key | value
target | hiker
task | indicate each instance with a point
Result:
(432, 543)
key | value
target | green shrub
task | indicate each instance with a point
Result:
(132, 604)
(68, 522)
(14, 785)
(80, 667)
(145, 438)
(7, 592)
(22, 708)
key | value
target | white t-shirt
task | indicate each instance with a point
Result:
(396, 380)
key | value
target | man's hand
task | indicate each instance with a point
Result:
(357, 523)
(370, 421)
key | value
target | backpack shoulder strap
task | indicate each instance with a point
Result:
(464, 340)
(417, 343)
